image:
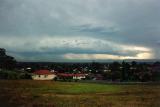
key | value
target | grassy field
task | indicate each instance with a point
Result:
(28, 93)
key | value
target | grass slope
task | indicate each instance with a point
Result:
(28, 93)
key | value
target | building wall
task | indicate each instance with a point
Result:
(43, 77)
(78, 77)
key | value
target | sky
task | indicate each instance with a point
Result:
(80, 30)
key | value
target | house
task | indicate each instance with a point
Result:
(64, 76)
(156, 68)
(71, 76)
(79, 76)
(98, 77)
(156, 72)
(43, 75)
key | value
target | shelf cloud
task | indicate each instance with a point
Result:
(67, 30)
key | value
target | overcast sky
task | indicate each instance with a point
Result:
(78, 30)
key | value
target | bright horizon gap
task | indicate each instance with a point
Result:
(72, 56)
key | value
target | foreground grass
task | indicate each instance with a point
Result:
(28, 93)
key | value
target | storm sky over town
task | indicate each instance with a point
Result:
(79, 30)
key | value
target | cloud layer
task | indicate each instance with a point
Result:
(67, 30)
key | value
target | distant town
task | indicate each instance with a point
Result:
(116, 71)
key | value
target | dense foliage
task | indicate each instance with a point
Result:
(6, 62)
(6, 74)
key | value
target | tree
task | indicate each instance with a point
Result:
(6, 62)
(115, 70)
(2, 52)
(125, 71)
(143, 73)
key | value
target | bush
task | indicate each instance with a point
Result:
(5, 74)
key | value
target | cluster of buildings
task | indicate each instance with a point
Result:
(52, 75)
(109, 72)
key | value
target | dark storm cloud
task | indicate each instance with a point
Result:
(95, 30)
(53, 28)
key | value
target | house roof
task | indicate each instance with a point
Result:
(70, 75)
(79, 75)
(65, 74)
(43, 72)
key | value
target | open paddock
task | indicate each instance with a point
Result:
(29, 93)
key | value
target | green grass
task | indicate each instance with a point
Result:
(76, 88)
(28, 93)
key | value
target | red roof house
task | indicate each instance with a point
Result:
(43, 72)
(71, 76)
(43, 75)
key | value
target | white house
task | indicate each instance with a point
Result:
(79, 76)
(43, 75)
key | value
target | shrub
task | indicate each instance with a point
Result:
(5, 74)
